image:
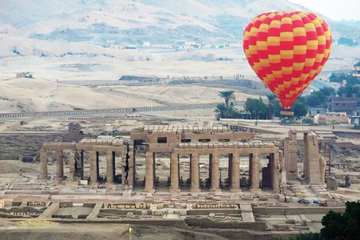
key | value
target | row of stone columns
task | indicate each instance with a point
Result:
(94, 165)
(214, 170)
(214, 174)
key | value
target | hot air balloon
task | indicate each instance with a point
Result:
(287, 50)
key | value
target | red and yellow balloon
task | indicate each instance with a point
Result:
(287, 50)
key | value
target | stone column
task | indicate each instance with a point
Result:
(230, 160)
(43, 164)
(82, 164)
(131, 165)
(254, 171)
(109, 167)
(174, 172)
(93, 166)
(275, 172)
(215, 173)
(59, 165)
(210, 168)
(313, 162)
(290, 155)
(97, 165)
(195, 178)
(235, 173)
(149, 177)
(120, 157)
(72, 169)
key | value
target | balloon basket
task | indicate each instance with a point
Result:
(287, 113)
(287, 117)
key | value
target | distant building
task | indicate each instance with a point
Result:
(331, 118)
(342, 104)
(317, 110)
(139, 78)
(356, 72)
(24, 75)
(130, 47)
(355, 121)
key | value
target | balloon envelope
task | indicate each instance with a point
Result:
(287, 50)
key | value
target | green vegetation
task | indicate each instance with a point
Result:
(319, 98)
(300, 108)
(342, 226)
(228, 97)
(340, 77)
(257, 108)
(260, 109)
(352, 84)
(226, 112)
(337, 226)
(350, 90)
(226, 109)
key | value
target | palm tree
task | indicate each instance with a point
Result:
(228, 97)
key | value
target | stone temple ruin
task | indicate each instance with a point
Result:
(218, 145)
(313, 164)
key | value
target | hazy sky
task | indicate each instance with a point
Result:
(335, 9)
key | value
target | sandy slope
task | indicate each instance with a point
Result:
(44, 92)
(45, 95)
(49, 95)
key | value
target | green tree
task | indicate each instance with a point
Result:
(342, 226)
(319, 98)
(300, 108)
(257, 108)
(228, 97)
(226, 112)
(334, 226)
(337, 226)
(220, 111)
(274, 106)
(350, 90)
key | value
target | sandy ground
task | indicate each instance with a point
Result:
(161, 62)
(149, 61)
(44, 230)
(18, 95)
(46, 93)
(180, 94)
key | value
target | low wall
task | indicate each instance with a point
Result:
(118, 212)
(208, 211)
(208, 223)
(296, 210)
(347, 134)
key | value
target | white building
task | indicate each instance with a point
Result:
(332, 118)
